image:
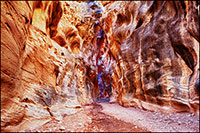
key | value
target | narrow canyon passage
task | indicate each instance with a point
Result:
(103, 73)
(100, 66)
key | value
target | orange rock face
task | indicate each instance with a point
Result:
(156, 47)
(49, 56)
(42, 77)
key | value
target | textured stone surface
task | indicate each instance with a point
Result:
(156, 47)
(49, 52)
(41, 79)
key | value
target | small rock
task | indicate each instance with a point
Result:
(80, 124)
(155, 118)
(59, 122)
(61, 128)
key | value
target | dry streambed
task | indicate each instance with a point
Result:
(105, 117)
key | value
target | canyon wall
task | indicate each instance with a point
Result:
(48, 57)
(156, 49)
(42, 70)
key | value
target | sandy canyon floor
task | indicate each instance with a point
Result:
(106, 117)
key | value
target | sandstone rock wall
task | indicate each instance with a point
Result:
(48, 57)
(156, 48)
(42, 74)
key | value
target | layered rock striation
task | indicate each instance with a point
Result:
(49, 57)
(156, 49)
(43, 75)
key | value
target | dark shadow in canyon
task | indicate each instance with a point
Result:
(104, 84)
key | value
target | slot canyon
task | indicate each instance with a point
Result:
(96, 66)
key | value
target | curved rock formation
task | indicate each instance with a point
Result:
(49, 56)
(40, 77)
(156, 48)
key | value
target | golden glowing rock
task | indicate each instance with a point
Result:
(49, 54)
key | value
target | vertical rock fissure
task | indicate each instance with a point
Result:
(103, 71)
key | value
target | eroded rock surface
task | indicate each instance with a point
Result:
(41, 78)
(156, 47)
(49, 56)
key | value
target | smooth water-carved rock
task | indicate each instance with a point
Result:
(36, 67)
(157, 54)
(49, 57)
